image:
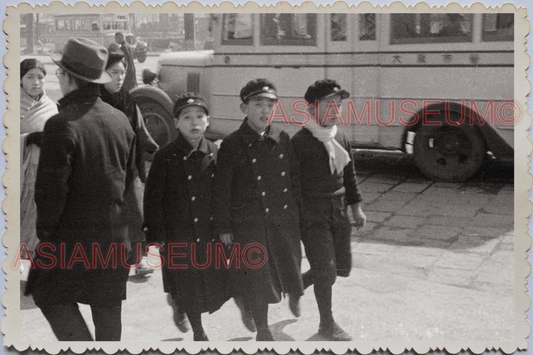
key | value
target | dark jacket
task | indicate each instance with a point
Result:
(257, 189)
(85, 167)
(177, 208)
(314, 167)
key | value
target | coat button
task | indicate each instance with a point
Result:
(282, 173)
(211, 218)
(263, 193)
(267, 210)
(285, 190)
(254, 160)
(198, 240)
(196, 220)
(212, 175)
(285, 207)
(184, 158)
(249, 145)
(193, 198)
(189, 177)
(281, 156)
(259, 177)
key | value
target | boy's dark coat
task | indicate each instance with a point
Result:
(256, 197)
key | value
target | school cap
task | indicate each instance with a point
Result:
(189, 99)
(325, 88)
(258, 88)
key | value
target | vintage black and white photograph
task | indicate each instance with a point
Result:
(347, 178)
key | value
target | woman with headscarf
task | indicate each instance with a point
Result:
(115, 95)
(35, 109)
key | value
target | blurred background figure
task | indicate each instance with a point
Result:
(130, 80)
(35, 109)
(115, 94)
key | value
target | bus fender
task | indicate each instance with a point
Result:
(155, 94)
(495, 143)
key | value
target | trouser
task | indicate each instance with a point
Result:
(68, 324)
(326, 232)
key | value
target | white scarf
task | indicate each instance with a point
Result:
(338, 156)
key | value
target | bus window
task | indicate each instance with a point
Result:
(367, 27)
(338, 27)
(68, 25)
(107, 25)
(431, 28)
(498, 27)
(95, 26)
(237, 29)
(77, 25)
(60, 25)
(288, 29)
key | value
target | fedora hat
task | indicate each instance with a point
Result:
(84, 59)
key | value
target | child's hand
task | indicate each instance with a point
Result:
(359, 216)
(226, 238)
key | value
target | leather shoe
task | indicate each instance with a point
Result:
(180, 318)
(200, 337)
(264, 335)
(333, 332)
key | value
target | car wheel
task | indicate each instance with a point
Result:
(159, 122)
(447, 152)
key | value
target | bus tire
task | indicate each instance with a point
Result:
(446, 152)
(141, 57)
(159, 122)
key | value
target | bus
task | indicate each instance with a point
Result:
(437, 86)
(100, 28)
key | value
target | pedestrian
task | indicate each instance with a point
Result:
(87, 163)
(130, 82)
(256, 200)
(329, 186)
(115, 95)
(177, 207)
(35, 109)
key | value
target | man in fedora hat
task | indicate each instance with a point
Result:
(86, 166)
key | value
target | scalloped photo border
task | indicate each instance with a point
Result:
(10, 325)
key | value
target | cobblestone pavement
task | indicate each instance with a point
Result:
(434, 263)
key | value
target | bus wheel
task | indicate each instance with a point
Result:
(447, 152)
(141, 57)
(159, 122)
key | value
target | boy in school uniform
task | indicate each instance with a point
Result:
(329, 186)
(256, 200)
(177, 209)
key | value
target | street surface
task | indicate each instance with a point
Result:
(434, 263)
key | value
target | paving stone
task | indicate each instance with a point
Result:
(433, 208)
(382, 205)
(398, 196)
(368, 247)
(508, 238)
(365, 231)
(503, 256)
(474, 244)
(411, 187)
(428, 247)
(464, 261)
(369, 197)
(405, 221)
(494, 288)
(372, 187)
(455, 198)
(394, 235)
(446, 184)
(374, 216)
(479, 231)
(498, 220)
(496, 272)
(448, 221)
(412, 260)
(438, 232)
(449, 276)
(501, 204)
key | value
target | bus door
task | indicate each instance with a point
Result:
(349, 39)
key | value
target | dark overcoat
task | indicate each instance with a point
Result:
(86, 164)
(177, 209)
(256, 197)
